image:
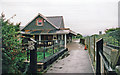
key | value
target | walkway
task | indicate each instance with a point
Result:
(77, 61)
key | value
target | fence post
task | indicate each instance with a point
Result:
(94, 49)
(80, 40)
(99, 48)
(53, 47)
(44, 50)
(28, 55)
(59, 45)
(33, 60)
(89, 45)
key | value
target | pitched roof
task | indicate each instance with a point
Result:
(56, 20)
(43, 18)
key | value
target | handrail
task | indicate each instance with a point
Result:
(113, 46)
(43, 41)
(106, 62)
(100, 55)
(33, 40)
(99, 39)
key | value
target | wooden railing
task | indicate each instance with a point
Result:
(104, 58)
(101, 61)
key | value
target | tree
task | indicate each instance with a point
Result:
(113, 34)
(79, 36)
(110, 30)
(116, 34)
(12, 56)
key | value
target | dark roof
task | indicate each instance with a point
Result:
(56, 20)
(43, 18)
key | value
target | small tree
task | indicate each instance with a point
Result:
(12, 56)
(116, 34)
(79, 36)
(110, 30)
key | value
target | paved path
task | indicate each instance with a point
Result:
(77, 61)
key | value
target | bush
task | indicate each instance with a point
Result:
(12, 56)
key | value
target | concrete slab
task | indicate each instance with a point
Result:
(77, 62)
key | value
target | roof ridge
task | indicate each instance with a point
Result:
(53, 16)
(60, 18)
(47, 20)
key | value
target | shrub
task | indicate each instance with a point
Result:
(12, 55)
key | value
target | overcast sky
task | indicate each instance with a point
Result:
(82, 16)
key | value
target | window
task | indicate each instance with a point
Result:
(39, 22)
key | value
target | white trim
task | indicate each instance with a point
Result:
(37, 20)
(65, 41)
(39, 38)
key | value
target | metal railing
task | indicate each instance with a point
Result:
(45, 48)
(37, 51)
(48, 48)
